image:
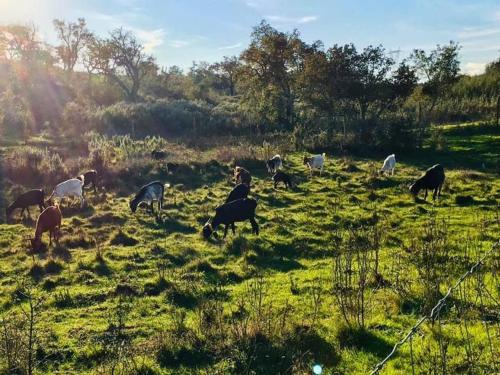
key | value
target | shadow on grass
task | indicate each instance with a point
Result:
(363, 340)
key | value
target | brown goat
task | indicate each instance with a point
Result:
(49, 220)
(242, 176)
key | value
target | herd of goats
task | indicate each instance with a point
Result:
(237, 207)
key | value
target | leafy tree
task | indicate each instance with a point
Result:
(73, 37)
(271, 62)
(21, 43)
(121, 58)
(438, 69)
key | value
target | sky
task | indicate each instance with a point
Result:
(178, 32)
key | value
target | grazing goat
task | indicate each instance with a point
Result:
(274, 164)
(240, 191)
(231, 212)
(389, 164)
(242, 176)
(433, 178)
(148, 194)
(282, 177)
(25, 200)
(315, 162)
(49, 220)
(69, 188)
(89, 177)
(158, 154)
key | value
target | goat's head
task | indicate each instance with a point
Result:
(207, 229)
(415, 188)
(133, 204)
(36, 243)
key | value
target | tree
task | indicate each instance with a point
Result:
(270, 64)
(21, 43)
(121, 58)
(226, 72)
(493, 73)
(73, 37)
(439, 70)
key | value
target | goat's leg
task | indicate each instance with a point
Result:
(233, 227)
(226, 227)
(22, 212)
(41, 207)
(50, 237)
(28, 209)
(255, 226)
(425, 196)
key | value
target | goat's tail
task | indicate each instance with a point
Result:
(166, 186)
(82, 179)
(324, 155)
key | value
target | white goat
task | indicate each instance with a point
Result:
(69, 188)
(389, 164)
(274, 164)
(315, 162)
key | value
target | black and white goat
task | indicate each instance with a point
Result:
(231, 212)
(432, 179)
(25, 200)
(274, 164)
(148, 194)
(88, 178)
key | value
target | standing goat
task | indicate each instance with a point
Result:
(433, 178)
(148, 194)
(389, 164)
(242, 176)
(69, 188)
(274, 164)
(25, 200)
(315, 162)
(89, 177)
(231, 212)
(49, 220)
(282, 177)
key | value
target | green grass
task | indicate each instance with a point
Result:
(173, 282)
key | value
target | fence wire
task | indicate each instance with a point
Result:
(435, 310)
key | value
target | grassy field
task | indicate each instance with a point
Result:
(132, 293)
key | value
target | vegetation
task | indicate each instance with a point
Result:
(344, 265)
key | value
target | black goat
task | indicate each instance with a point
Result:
(229, 213)
(89, 177)
(148, 194)
(282, 177)
(25, 200)
(240, 191)
(158, 154)
(433, 178)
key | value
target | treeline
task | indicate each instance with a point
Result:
(338, 96)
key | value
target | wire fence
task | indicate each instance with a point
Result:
(435, 314)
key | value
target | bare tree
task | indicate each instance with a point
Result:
(73, 37)
(121, 58)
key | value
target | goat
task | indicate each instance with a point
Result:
(315, 162)
(389, 164)
(69, 188)
(231, 212)
(158, 154)
(274, 164)
(25, 200)
(148, 194)
(242, 176)
(282, 177)
(49, 220)
(89, 177)
(433, 178)
(240, 191)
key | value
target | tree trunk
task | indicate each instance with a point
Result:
(497, 115)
